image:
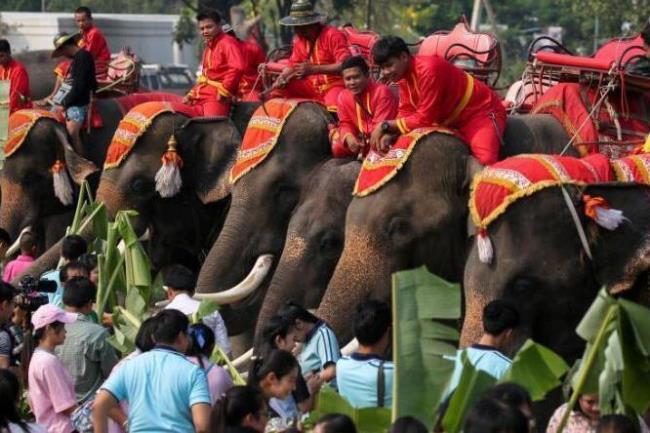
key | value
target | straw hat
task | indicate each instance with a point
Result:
(302, 14)
(63, 39)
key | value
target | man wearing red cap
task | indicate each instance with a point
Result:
(16, 73)
(435, 92)
(222, 69)
(314, 70)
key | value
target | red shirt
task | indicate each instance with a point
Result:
(331, 47)
(95, 43)
(19, 96)
(359, 115)
(222, 68)
(433, 91)
(253, 56)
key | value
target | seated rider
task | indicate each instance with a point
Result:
(362, 105)
(76, 91)
(249, 85)
(435, 92)
(15, 72)
(642, 65)
(314, 70)
(222, 68)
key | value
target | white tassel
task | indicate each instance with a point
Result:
(168, 180)
(485, 250)
(608, 218)
(62, 184)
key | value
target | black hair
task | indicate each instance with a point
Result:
(5, 47)
(278, 362)
(407, 424)
(144, 338)
(4, 235)
(84, 10)
(388, 47)
(28, 241)
(7, 292)
(179, 277)
(337, 423)
(293, 312)
(356, 62)
(209, 14)
(645, 33)
(616, 423)
(64, 273)
(88, 261)
(510, 393)
(169, 324)
(499, 316)
(78, 292)
(276, 326)
(488, 415)
(73, 247)
(371, 321)
(231, 409)
(202, 342)
(10, 390)
(40, 332)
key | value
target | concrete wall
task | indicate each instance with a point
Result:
(150, 36)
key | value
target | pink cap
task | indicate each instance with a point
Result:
(50, 313)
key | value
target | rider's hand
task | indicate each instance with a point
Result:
(304, 69)
(385, 143)
(376, 135)
(353, 144)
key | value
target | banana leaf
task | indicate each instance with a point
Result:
(420, 342)
(635, 371)
(536, 368)
(206, 307)
(220, 358)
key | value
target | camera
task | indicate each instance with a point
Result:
(30, 289)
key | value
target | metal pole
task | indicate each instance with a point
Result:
(42, 5)
(476, 15)
(596, 32)
(368, 14)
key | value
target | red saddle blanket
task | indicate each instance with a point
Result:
(21, 122)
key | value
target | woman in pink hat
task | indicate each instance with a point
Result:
(51, 390)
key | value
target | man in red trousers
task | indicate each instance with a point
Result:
(222, 68)
(314, 70)
(435, 92)
(362, 106)
(16, 73)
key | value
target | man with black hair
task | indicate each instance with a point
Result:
(7, 294)
(15, 72)
(500, 320)
(92, 40)
(435, 92)
(179, 283)
(28, 245)
(361, 106)
(222, 66)
(365, 378)
(86, 352)
(164, 390)
(72, 247)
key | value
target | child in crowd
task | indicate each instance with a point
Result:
(28, 245)
(10, 420)
(219, 381)
(335, 423)
(242, 410)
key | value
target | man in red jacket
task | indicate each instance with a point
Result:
(362, 105)
(253, 54)
(222, 68)
(314, 70)
(16, 73)
(92, 40)
(435, 92)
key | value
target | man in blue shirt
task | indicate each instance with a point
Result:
(72, 247)
(500, 319)
(164, 390)
(364, 378)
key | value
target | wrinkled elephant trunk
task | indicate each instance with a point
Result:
(115, 200)
(363, 272)
(477, 296)
(16, 210)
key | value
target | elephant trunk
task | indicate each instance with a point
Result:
(363, 272)
(477, 296)
(114, 199)
(16, 210)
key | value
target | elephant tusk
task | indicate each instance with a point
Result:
(245, 288)
(13, 249)
(243, 359)
(350, 348)
(145, 236)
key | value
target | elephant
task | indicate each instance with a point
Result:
(256, 225)
(314, 239)
(419, 218)
(207, 147)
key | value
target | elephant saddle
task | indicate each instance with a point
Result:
(21, 122)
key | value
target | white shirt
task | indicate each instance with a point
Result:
(186, 305)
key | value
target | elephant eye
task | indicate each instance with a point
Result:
(139, 185)
(398, 228)
(330, 241)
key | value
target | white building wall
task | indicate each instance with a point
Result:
(150, 36)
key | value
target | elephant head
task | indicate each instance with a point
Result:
(182, 222)
(35, 180)
(314, 239)
(256, 224)
(541, 266)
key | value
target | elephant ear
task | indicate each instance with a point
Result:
(214, 145)
(78, 166)
(472, 167)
